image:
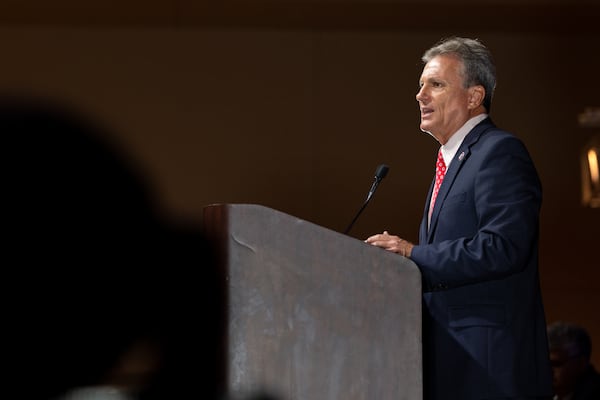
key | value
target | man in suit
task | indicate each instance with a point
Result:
(574, 376)
(483, 320)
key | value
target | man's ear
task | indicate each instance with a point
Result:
(580, 364)
(476, 96)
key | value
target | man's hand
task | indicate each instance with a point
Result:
(391, 243)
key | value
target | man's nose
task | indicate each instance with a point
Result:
(421, 95)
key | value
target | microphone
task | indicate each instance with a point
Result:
(380, 173)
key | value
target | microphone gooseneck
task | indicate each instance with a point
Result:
(380, 173)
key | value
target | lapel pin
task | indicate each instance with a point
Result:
(461, 156)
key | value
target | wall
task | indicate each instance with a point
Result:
(298, 120)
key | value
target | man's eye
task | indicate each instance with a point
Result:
(436, 84)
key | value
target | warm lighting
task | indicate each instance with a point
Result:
(593, 164)
(590, 175)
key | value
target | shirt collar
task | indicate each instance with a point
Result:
(451, 147)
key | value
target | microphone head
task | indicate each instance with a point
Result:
(381, 171)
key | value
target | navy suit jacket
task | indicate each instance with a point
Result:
(484, 330)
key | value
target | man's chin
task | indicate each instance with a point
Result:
(428, 132)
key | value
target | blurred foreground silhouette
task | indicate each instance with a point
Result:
(100, 292)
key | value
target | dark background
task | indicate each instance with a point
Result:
(293, 104)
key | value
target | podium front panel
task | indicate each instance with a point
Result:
(313, 314)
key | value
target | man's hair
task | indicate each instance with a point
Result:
(571, 338)
(478, 64)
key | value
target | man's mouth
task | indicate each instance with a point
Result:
(426, 112)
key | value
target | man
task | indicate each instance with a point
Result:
(574, 377)
(484, 326)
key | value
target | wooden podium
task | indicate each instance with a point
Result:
(312, 314)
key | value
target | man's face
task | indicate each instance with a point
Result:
(566, 370)
(443, 99)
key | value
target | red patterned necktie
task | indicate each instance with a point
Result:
(440, 172)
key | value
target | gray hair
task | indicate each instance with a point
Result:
(478, 64)
(571, 338)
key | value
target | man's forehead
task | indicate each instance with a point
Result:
(441, 65)
(566, 350)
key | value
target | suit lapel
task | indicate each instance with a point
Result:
(423, 229)
(460, 158)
